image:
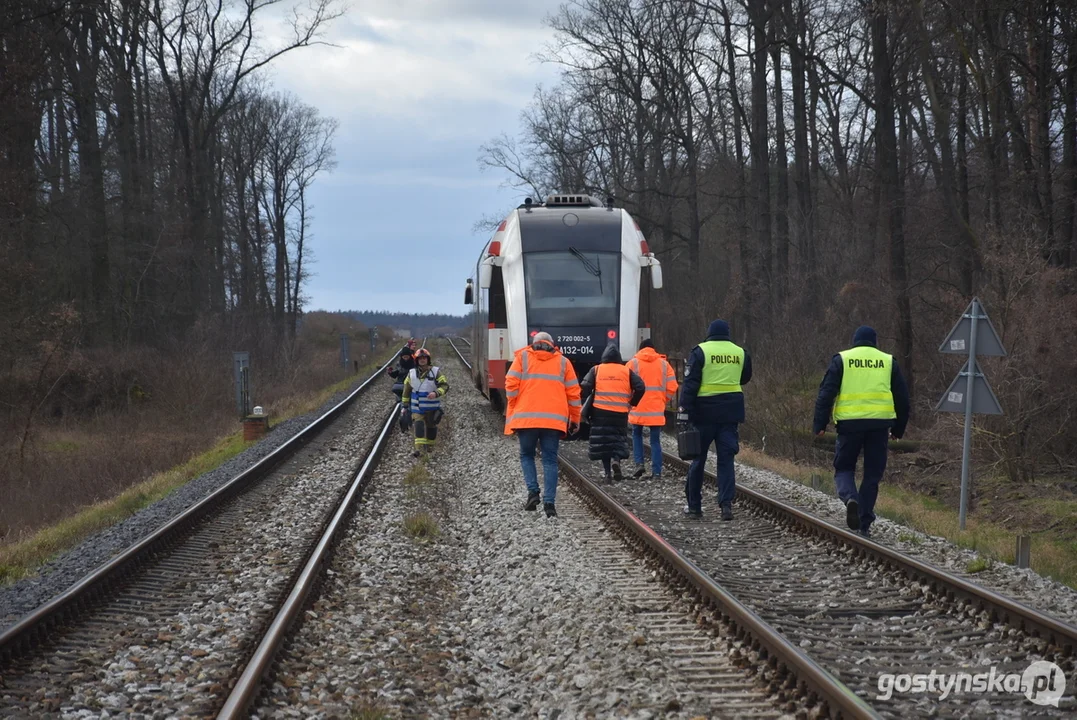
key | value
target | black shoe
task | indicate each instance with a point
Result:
(532, 501)
(689, 512)
(864, 532)
(551, 511)
(607, 480)
(617, 476)
(852, 515)
(417, 453)
(639, 472)
(727, 512)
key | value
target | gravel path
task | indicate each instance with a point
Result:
(503, 612)
(1026, 586)
(71, 566)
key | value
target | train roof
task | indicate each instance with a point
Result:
(570, 220)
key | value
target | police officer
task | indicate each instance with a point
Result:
(714, 402)
(866, 393)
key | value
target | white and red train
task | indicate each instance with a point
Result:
(571, 267)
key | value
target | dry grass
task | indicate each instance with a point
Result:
(98, 470)
(421, 526)
(1055, 558)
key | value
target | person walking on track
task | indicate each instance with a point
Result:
(865, 393)
(616, 390)
(424, 387)
(543, 406)
(661, 383)
(713, 398)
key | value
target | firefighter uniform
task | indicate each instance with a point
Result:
(713, 398)
(865, 394)
(425, 411)
(661, 385)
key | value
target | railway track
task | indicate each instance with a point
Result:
(165, 625)
(831, 613)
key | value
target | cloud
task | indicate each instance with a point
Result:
(422, 60)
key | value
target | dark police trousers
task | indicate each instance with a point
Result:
(846, 452)
(726, 438)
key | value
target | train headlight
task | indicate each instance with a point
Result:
(612, 334)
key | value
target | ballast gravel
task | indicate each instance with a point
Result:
(501, 613)
(1024, 585)
(62, 572)
(178, 664)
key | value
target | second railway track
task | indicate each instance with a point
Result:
(161, 630)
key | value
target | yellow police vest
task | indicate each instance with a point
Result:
(865, 385)
(722, 365)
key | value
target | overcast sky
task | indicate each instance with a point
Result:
(417, 86)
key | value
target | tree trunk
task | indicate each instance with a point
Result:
(886, 142)
(801, 161)
(760, 150)
(781, 241)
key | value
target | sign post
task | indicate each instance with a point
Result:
(241, 366)
(344, 350)
(373, 339)
(969, 392)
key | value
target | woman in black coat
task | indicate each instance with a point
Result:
(609, 429)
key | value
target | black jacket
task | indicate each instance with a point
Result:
(828, 391)
(609, 437)
(714, 409)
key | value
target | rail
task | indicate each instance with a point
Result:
(249, 683)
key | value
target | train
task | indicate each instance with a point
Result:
(570, 266)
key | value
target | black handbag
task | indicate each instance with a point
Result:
(688, 447)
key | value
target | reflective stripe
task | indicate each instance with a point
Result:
(542, 376)
(515, 373)
(605, 394)
(656, 388)
(540, 416)
(512, 393)
(648, 414)
(715, 389)
(574, 403)
(572, 383)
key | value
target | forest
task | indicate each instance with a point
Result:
(802, 167)
(154, 217)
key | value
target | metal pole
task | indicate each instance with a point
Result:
(970, 386)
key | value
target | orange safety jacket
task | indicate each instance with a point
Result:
(542, 391)
(613, 389)
(661, 382)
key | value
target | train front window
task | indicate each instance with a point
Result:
(572, 287)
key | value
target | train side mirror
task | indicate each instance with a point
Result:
(656, 275)
(468, 291)
(486, 273)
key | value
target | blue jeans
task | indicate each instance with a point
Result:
(846, 453)
(548, 440)
(726, 438)
(656, 447)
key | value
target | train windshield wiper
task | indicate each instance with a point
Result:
(595, 270)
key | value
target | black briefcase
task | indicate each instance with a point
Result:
(687, 439)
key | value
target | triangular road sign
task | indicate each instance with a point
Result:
(984, 401)
(987, 341)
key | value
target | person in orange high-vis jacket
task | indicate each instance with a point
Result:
(661, 382)
(616, 390)
(543, 405)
